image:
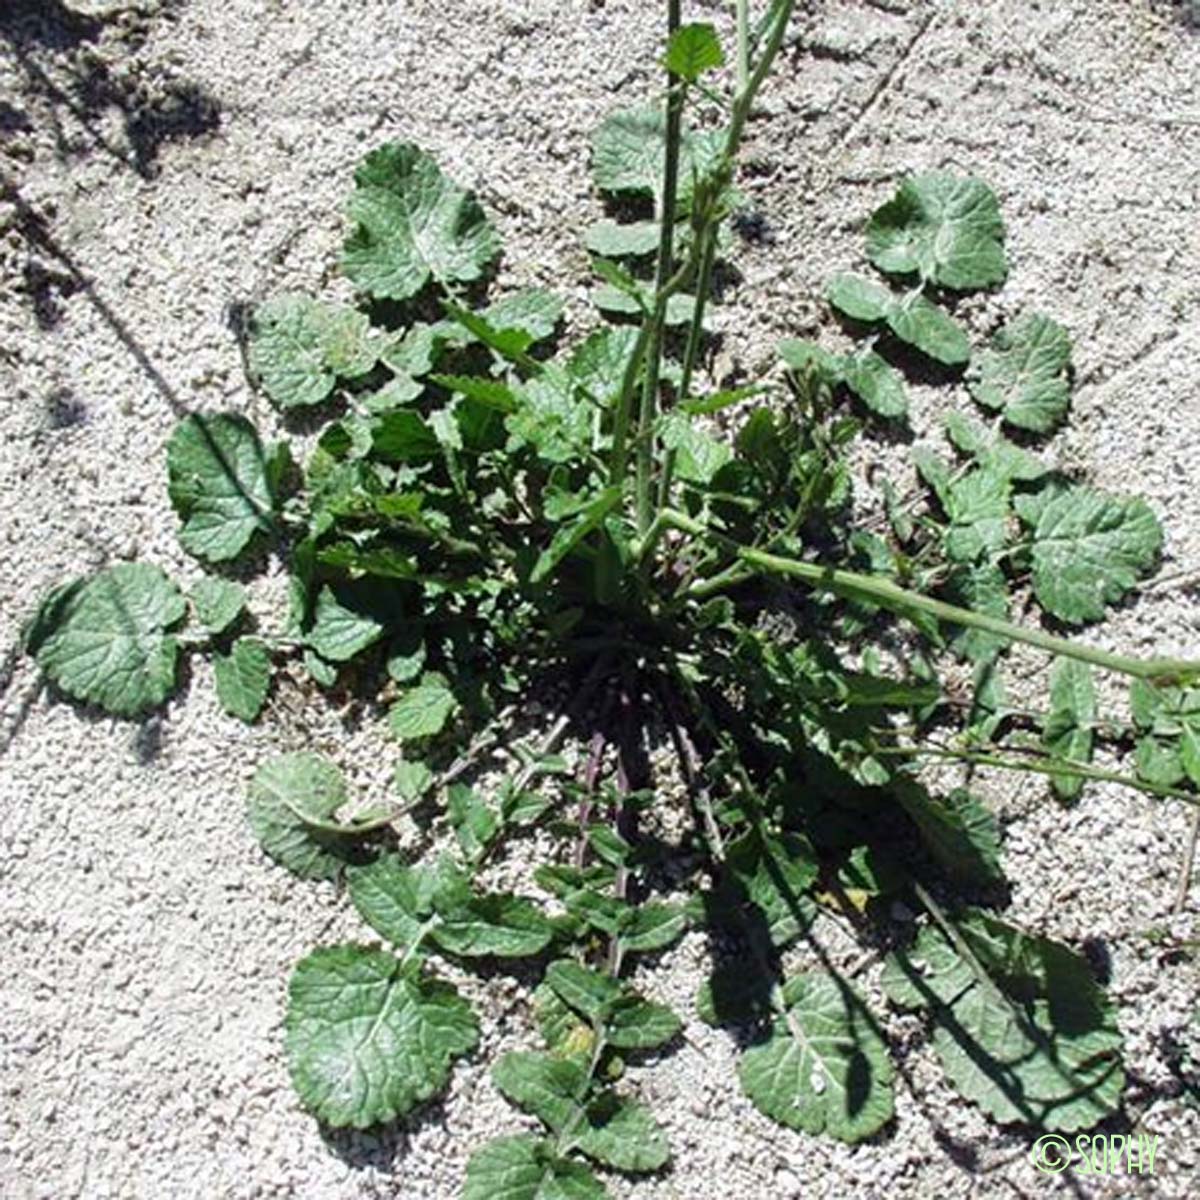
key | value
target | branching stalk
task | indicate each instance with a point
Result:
(1048, 766)
(855, 586)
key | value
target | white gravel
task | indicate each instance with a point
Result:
(147, 942)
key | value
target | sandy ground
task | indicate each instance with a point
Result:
(166, 163)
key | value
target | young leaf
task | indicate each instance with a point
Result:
(299, 347)
(992, 451)
(291, 802)
(699, 455)
(423, 710)
(1189, 751)
(631, 1022)
(475, 822)
(410, 224)
(566, 1033)
(395, 899)
(981, 587)
(612, 240)
(403, 436)
(545, 1086)
(588, 992)
(637, 1024)
(922, 324)
(218, 603)
(220, 484)
(775, 873)
(411, 780)
(704, 405)
(692, 50)
(824, 1066)
(384, 562)
(1025, 373)
(599, 362)
(1089, 548)
(652, 927)
(1032, 1039)
(491, 392)
(1068, 732)
(406, 654)
(534, 311)
(569, 536)
(339, 633)
(510, 344)
(498, 924)
(524, 1167)
(942, 227)
(369, 1039)
(628, 153)
(323, 674)
(637, 302)
(243, 678)
(876, 383)
(105, 640)
(413, 353)
(619, 1133)
(860, 299)
(978, 507)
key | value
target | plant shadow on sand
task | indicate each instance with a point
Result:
(72, 78)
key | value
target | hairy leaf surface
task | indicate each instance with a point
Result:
(945, 228)
(299, 347)
(1024, 373)
(1089, 549)
(524, 1167)
(1069, 729)
(243, 678)
(291, 802)
(221, 483)
(824, 1066)
(1033, 1040)
(410, 224)
(105, 640)
(219, 603)
(369, 1039)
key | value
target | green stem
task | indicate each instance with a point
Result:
(851, 585)
(1046, 767)
(748, 84)
(743, 44)
(623, 415)
(656, 320)
(708, 237)
(746, 93)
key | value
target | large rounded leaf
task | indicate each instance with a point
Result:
(299, 347)
(411, 224)
(292, 800)
(1089, 549)
(945, 228)
(105, 640)
(824, 1067)
(368, 1039)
